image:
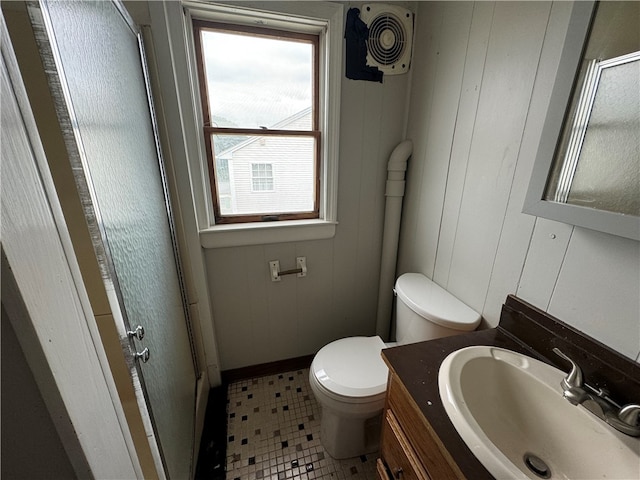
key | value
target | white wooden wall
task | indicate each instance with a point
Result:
(480, 83)
(481, 80)
(260, 321)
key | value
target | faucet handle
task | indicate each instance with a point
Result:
(574, 377)
(630, 414)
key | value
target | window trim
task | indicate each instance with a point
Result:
(325, 18)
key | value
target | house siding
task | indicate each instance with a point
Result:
(292, 160)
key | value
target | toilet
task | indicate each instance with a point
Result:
(349, 378)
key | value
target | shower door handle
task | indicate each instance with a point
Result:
(137, 333)
(143, 355)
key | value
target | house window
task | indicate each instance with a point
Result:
(225, 203)
(262, 177)
(259, 90)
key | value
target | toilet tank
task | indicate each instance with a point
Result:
(425, 310)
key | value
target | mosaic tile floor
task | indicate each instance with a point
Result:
(273, 432)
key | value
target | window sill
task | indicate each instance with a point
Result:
(220, 236)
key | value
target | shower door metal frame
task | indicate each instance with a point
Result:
(43, 31)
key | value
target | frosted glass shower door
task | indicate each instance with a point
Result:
(92, 49)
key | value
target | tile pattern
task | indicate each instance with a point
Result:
(273, 432)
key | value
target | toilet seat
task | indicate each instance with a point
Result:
(351, 370)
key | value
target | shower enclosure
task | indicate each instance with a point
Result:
(94, 59)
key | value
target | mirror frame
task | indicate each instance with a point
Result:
(627, 226)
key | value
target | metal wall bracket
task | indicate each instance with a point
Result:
(301, 262)
(274, 269)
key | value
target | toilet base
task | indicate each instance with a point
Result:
(345, 437)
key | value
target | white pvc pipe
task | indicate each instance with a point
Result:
(394, 192)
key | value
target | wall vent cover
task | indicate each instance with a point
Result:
(390, 37)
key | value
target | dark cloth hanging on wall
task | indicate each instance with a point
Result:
(356, 34)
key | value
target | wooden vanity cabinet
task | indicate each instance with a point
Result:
(409, 449)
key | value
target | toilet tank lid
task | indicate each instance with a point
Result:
(431, 301)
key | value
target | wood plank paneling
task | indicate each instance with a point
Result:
(599, 283)
(316, 321)
(224, 267)
(259, 321)
(547, 249)
(371, 192)
(514, 49)
(517, 228)
(258, 282)
(465, 121)
(439, 134)
(412, 249)
(282, 303)
(487, 247)
(480, 81)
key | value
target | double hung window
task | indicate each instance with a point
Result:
(260, 96)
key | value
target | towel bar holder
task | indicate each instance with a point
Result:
(276, 273)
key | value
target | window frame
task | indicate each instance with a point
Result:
(208, 129)
(174, 49)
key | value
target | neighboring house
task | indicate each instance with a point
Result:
(269, 174)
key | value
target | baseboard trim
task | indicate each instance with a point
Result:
(264, 369)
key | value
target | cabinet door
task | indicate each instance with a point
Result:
(418, 433)
(383, 474)
(397, 453)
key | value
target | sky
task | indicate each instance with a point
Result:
(255, 81)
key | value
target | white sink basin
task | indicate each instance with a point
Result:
(508, 408)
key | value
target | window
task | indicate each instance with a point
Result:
(177, 53)
(262, 177)
(259, 90)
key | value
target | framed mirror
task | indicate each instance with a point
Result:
(587, 169)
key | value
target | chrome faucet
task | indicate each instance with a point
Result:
(625, 419)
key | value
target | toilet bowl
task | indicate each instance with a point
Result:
(349, 378)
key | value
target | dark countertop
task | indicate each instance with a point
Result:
(523, 329)
(417, 366)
